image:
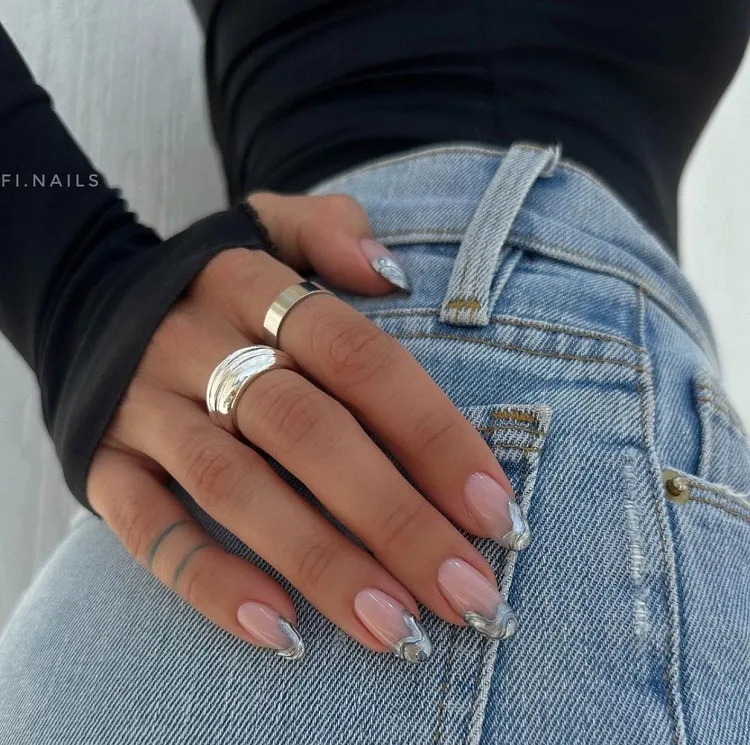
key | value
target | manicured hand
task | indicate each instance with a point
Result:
(352, 377)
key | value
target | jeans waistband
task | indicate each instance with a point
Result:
(430, 195)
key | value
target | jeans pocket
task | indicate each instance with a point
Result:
(516, 433)
(710, 516)
(724, 451)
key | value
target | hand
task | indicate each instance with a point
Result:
(162, 429)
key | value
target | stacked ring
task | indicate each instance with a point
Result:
(284, 302)
(233, 375)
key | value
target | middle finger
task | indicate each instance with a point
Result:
(315, 438)
(388, 391)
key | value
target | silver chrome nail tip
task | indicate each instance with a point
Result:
(519, 535)
(390, 270)
(502, 626)
(416, 647)
(296, 648)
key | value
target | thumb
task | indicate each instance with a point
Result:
(331, 236)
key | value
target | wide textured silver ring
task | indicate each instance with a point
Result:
(233, 375)
(284, 302)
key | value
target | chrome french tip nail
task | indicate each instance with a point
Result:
(387, 268)
(501, 626)
(270, 629)
(416, 647)
(385, 264)
(496, 511)
(476, 599)
(296, 648)
(393, 624)
(519, 535)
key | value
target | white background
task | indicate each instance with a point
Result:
(127, 79)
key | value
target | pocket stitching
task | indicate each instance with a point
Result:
(537, 435)
(737, 500)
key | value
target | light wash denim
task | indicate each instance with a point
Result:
(569, 337)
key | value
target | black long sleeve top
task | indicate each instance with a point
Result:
(83, 285)
(301, 89)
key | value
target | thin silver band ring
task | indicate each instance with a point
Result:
(233, 375)
(284, 302)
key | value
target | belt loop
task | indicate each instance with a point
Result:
(467, 301)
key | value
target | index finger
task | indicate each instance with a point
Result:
(391, 394)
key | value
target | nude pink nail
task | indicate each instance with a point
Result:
(269, 629)
(393, 624)
(496, 511)
(385, 263)
(476, 599)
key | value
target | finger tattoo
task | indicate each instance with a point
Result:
(185, 561)
(160, 539)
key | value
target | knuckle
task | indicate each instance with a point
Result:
(134, 529)
(314, 564)
(354, 353)
(400, 523)
(211, 472)
(288, 412)
(218, 270)
(343, 204)
(196, 581)
(434, 429)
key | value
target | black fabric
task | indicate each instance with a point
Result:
(301, 89)
(83, 285)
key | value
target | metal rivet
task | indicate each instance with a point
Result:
(676, 486)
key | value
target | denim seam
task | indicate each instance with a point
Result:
(717, 399)
(516, 348)
(486, 671)
(510, 446)
(563, 253)
(716, 489)
(722, 490)
(725, 413)
(511, 428)
(445, 687)
(500, 320)
(706, 432)
(719, 506)
(644, 387)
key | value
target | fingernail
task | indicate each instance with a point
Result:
(385, 264)
(473, 596)
(270, 629)
(393, 625)
(497, 512)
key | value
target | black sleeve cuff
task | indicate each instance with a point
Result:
(117, 320)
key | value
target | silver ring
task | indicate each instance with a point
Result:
(284, 302)
(233, 375)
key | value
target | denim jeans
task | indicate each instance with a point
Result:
(568, 336)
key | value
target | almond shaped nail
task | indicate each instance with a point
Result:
(476, 599)
(269, 629)
(391, 623)
(497, 512)
(385, 264)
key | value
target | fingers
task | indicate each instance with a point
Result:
(236, 486)
(332, 236)
(157, 531)
(387, 390)
(320, 442)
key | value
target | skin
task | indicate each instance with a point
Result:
(352, 376)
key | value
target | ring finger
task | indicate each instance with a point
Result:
(235, 485)
(319, 441)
